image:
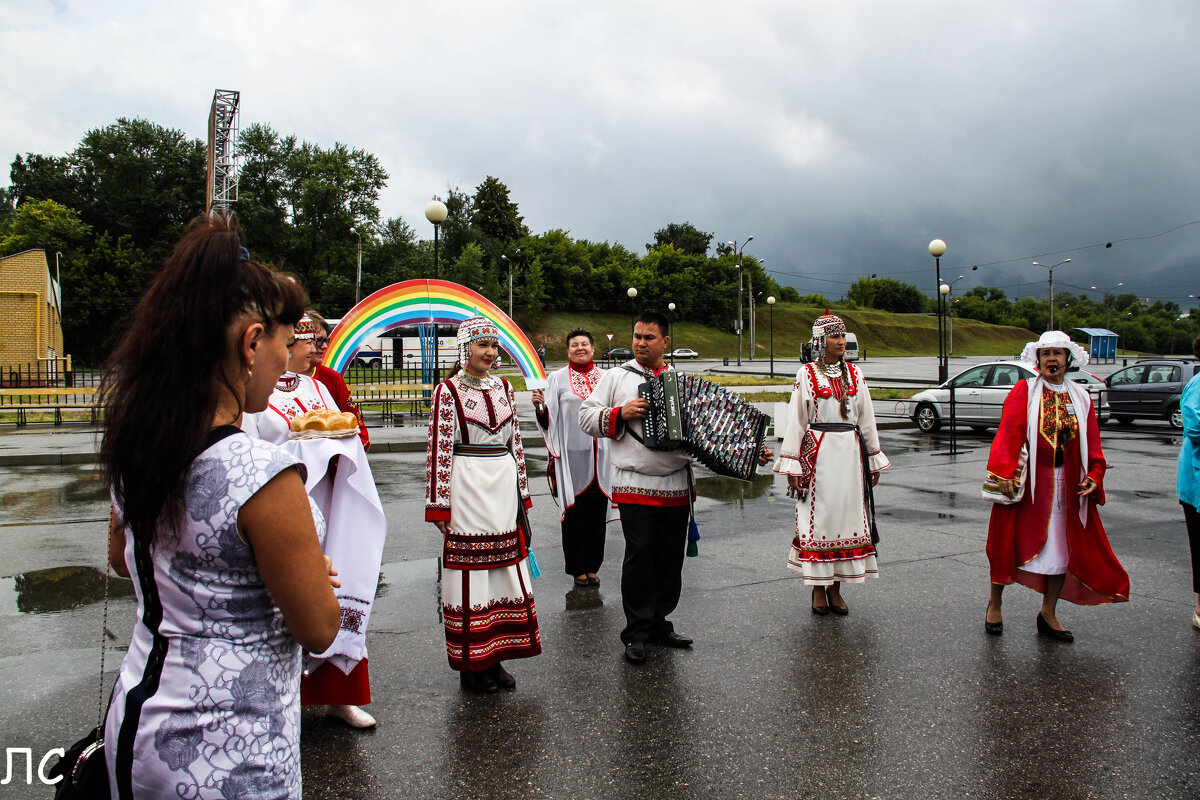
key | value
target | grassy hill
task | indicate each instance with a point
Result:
(880, 333)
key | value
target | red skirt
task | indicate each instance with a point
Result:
(329, 686)
(1017, 533)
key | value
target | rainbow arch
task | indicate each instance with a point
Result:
(424, 300)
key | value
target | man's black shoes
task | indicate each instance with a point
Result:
(673, 639)
(635, 652)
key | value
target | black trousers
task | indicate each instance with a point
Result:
(652, 573)
(1192, 517)
(583, 532)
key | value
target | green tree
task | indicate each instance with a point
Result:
(44, 224)
(789, 294)
(887, 294)
(132, 178)
(468, 269)
(495, 215)
(683, 236)
(99, 292)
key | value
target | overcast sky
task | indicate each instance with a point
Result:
(843, 135)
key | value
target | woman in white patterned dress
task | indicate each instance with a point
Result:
(215, 530)
(476, 493)
(831, 457)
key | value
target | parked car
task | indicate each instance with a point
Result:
(1150, 389)
(618, 353)
(683, 352)
(851, 347)
(980, 392)
(1098, 389)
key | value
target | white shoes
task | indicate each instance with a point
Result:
(1195, 620)
(353, 716)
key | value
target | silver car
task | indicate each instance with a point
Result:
(980, 392)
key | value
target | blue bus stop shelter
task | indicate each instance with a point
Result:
(1102, 344)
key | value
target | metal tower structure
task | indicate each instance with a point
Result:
(222, 161)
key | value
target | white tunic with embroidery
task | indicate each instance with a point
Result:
(640, 475)
(833, 518)
(342, 486)
(579, 460)
(475, 480)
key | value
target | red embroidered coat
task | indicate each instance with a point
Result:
(1017, 533)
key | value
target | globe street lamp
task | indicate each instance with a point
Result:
(739, 250)
(937, 249)
(436, 212)
(771, 303)
(1050, 269)
(632, 292)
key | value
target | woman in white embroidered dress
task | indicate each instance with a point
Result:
(579, 469)
(340, 483)
(215, 530)
(832, 458)
(476, 493)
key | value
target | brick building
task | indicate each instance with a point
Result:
(30, 313)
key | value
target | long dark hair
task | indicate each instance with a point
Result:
(166, 377)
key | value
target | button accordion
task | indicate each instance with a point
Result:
(692, 414)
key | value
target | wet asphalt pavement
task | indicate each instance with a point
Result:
(904, 698)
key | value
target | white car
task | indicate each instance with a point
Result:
(980, 392)
(683, 352)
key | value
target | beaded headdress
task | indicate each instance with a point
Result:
(826, 325)
(471, 330)
(306, 328)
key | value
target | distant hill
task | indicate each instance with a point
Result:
(880, 333)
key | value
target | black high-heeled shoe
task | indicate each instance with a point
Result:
(1044, 629)
(993, 628)
(820, 610)
(841, 610)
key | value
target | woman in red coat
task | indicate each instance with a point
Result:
(1052, 540)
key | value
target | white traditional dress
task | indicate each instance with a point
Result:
(340, 483)
(833, 458)
(207, 703)
(475, 480)
(579, 460)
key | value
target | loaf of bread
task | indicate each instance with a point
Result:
(324, 419)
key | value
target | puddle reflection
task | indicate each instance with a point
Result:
(731, 490)
(48, 501)
(47, 591)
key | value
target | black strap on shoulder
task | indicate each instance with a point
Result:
(218, 433)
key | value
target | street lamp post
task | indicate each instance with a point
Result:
(937, 249)
(436, 212)
(508, 261)
(950, 315)
(739, 250)
(1107, 301)
(1050, 269)
(671, 326)
(632, 292)
(771, 303)
(358, 273)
